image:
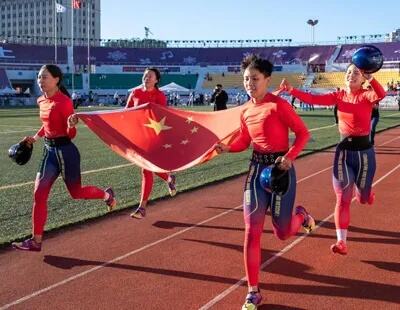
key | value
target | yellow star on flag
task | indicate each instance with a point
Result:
(158, 126)
(189, 119)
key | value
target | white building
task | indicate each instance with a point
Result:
(37, 22)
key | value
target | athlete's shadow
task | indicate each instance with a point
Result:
(394, 266)
(70, 263)
(173, 225)
(389, 237)
(277, 307)
(333, 286)
(387, 150)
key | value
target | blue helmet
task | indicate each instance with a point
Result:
(368, 58)
(274, 180)
(20, 152)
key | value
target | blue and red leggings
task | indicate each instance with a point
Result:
(255, 205)
(64, 160)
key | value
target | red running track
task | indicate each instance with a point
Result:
(187, 253)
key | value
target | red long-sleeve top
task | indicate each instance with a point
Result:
(140, 96)
(54, 112)
(354, 110)
(267, 125)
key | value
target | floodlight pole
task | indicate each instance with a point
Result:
(312, 23)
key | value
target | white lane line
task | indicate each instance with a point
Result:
(394, 114)
(286, 249)
(85, 172)
(19, 126)
(324, 127)
(17, 131)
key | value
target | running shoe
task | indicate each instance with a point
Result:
(111, 202)
(339, 247)
(253, 299)
(171, 185)
(371, 198)
(139, 213)
(27, 245)
(309, 222)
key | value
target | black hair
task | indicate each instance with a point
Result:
(56, 72)
(254, 61)
(219, 85)
(157, 73)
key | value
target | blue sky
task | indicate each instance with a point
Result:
(257, 19)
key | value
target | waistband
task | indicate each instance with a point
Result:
(59, 141)
(355, 143)
(265, 158)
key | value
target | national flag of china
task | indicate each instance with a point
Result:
(76, 4)
(163, 139)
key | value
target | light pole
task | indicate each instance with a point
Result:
(312, 23)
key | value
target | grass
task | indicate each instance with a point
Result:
(101, 167)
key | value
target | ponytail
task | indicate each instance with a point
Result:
(62, 88)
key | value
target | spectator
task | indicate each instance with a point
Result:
(116, 98)
(219, 98)
(398, 99)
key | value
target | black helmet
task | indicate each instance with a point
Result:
(20, 152)
(273, 179)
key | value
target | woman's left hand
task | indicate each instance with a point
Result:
(72, 120)
(283, 163)
(367, 76)
(285, 86)
(221, 148)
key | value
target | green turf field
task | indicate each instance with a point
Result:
(101, 167)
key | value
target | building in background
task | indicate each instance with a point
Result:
(44, 21)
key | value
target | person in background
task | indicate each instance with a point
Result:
(354, 162)
(374, 119)
(292, 102)
(116, 98)
(60, 155)
(149, 92)
(265, 123)
(335, 109)
(219, 98)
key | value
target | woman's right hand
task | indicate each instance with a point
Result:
(29, 140)
(72, 120)
(283, 163)
(221, 148)
(286, 86)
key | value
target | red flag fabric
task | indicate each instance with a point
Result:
(163, 139)
(76, 4)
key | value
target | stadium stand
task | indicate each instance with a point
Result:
(30, 54)
(328, 80)
(118, 81)
(235, 80)
(4, 82)
(335, 79)
(119, 69)
(77, 81)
